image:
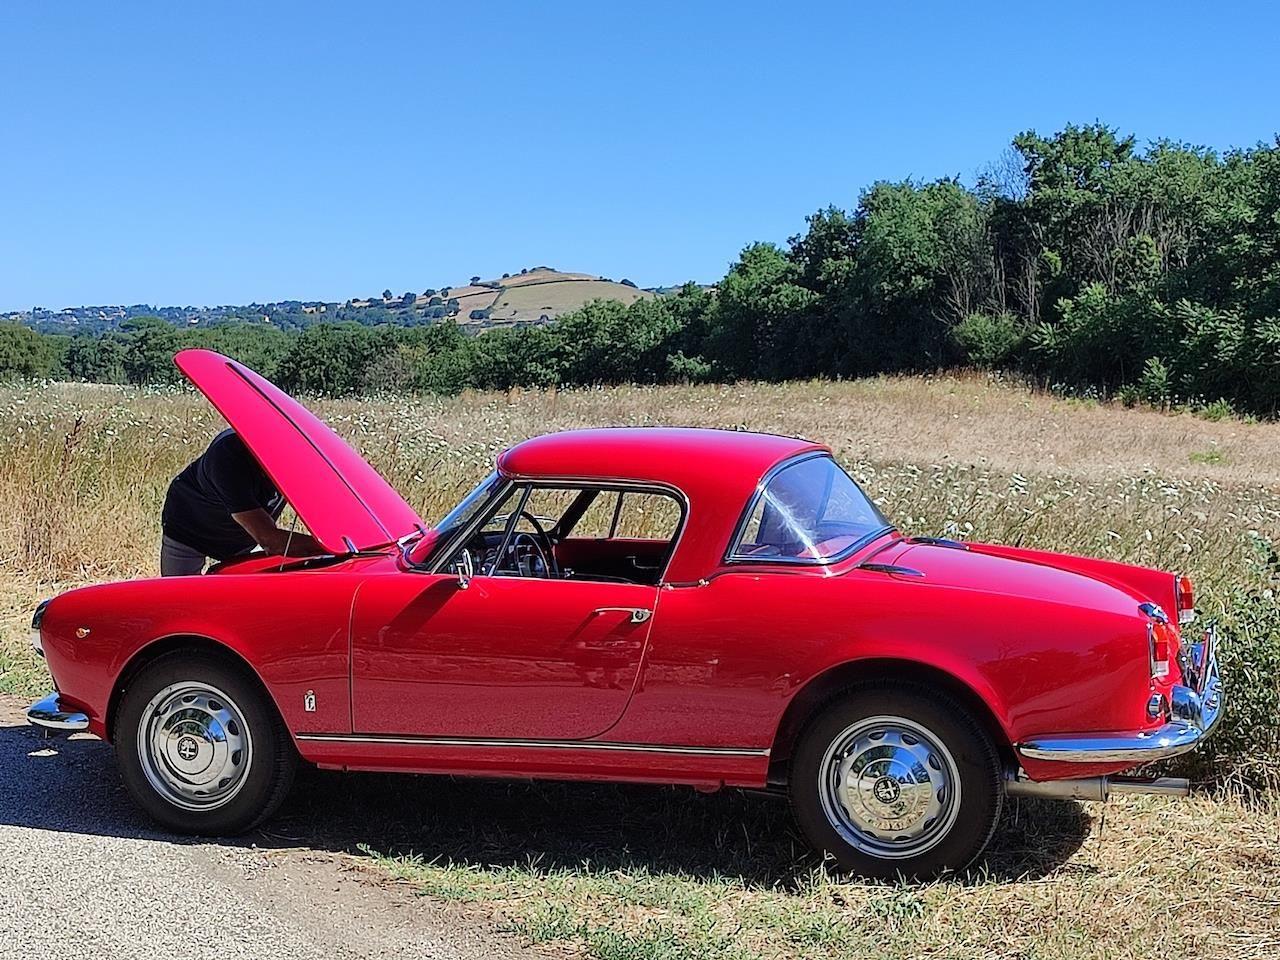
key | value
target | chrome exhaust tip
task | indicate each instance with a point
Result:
(1094, 788)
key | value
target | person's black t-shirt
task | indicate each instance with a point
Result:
(225, 479)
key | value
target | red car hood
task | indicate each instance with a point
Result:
(344, 502)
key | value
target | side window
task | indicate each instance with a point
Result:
(597, 522)
(647, 516)
(628, 515)
(577, 533)
(810, 511)
(546, 505)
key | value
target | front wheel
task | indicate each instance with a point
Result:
(200, 747)
(896, 780)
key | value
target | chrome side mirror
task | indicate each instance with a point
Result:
(465, 568)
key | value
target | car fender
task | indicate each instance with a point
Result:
(291, 630)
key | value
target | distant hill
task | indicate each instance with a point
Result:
(534, 295)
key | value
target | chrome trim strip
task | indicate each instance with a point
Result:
(48, 713)
(1195, 716)
(535, 744)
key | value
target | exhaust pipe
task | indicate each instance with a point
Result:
(1095, 788)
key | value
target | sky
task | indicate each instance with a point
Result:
(235, 152)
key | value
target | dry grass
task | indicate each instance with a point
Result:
(640, 873)
(620, 873)
(83, 468)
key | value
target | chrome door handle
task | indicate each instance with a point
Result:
(638, 614)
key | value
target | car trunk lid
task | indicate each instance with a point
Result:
(345, 503)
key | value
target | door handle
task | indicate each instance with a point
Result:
(638, 614)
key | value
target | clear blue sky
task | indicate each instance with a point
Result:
(176, 153)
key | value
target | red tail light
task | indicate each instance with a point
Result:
(1158, 634)
(1186, 601)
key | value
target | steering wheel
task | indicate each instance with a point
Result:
(539, 543)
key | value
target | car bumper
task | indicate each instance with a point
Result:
(1194, 711)
(49, 714)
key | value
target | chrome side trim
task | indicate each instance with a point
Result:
(890, 568)
(1195, 715)
(939, 542)
(48, 713)
(762, 752)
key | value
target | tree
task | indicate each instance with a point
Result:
(24, 353)
(386, 294)
(149, 344)
(760, 318)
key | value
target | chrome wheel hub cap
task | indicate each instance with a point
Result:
(890, 787)
(194, 745)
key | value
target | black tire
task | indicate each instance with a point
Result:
(962, 822)
(258, 771)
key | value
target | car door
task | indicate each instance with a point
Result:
(508, 656)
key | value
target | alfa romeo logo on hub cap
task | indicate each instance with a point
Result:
(188, 748)
(886, 790)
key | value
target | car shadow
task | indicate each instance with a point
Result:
(73, 786)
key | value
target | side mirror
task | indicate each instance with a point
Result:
(465, 568)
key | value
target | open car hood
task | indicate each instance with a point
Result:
(344, 502)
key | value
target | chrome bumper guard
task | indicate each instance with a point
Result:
(48, 713)
(1194, 711)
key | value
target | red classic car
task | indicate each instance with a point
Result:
(677, 606)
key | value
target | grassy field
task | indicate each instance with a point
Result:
(624, 873)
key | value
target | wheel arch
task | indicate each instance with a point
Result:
(828, 685)
(167, 644)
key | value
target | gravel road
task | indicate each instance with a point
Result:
(82, 873)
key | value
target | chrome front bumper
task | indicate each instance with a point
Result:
(1193, 714)
(48, 713)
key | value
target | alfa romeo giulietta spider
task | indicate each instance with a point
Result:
(702, 607)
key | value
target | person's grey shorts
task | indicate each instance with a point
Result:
(179, 560)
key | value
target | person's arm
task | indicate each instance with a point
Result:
(262, 527)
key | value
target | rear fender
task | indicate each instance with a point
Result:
(1144, 583)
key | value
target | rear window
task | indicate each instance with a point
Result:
(809, 511)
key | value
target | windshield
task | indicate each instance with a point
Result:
(809, 511)
(471, 504)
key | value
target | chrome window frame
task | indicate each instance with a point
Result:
(730, 556)
(623, 486)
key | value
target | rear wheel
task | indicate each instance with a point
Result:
(894, 779)
(200, 747)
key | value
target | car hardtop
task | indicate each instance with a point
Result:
(694, 460)
(715, 471)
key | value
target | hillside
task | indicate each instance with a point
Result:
(537, 296)
(530, 297)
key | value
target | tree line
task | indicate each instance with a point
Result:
(1081, 260)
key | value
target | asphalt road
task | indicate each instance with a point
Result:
(83, 873)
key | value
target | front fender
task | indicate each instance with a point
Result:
(291, 630)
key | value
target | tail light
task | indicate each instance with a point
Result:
(1159, 635)
(1186, 601)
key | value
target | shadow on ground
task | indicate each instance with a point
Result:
(72, 786)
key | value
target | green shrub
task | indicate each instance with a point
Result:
(1153, 385)
(1246, 746)
(989, 340)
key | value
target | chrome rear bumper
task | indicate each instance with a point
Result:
(48, 713)
(1193, 714)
